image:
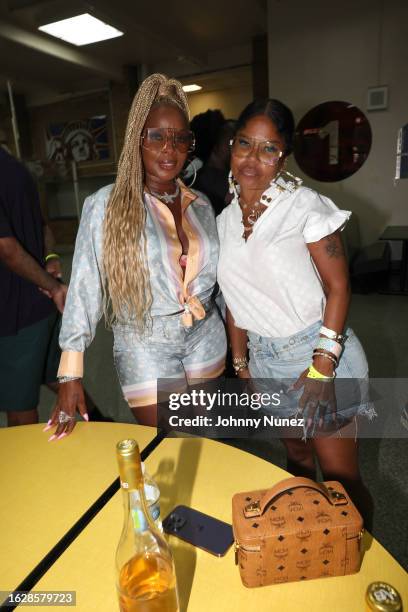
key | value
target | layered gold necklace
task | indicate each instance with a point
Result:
(252, 214)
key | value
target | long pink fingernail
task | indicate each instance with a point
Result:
(86, 417)
(64, 433)
(53, 437)
(47, 427)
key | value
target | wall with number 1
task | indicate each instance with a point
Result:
(323, 51)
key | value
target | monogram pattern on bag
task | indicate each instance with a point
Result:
(303, 534)
(309, 493)
(281, 579)
(300, 552)
(326, 549)
(278, 521)
(325, 574)
(295, 506)
(303, 564)
(281, 553)
(323, 517)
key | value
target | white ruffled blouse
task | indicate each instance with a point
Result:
(270, 283)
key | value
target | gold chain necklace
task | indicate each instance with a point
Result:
(253, 215)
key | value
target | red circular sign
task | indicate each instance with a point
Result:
(332, 141)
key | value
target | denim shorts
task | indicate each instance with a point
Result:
(168, 350)
(285, 359)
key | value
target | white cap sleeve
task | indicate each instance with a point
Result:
(323, 218)
(220, 219)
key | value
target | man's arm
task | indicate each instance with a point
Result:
(16, 258)
(49, 240)
(53, 265)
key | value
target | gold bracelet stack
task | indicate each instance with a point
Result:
(239, 363)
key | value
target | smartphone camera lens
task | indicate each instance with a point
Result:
(175, 522)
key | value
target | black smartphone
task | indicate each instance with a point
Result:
(199, 529)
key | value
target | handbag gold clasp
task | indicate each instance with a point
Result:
(338, 499)
(252, 509)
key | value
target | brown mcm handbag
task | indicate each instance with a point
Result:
(297, 530)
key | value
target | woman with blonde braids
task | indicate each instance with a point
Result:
(146, 257)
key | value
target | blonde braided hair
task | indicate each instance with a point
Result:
(127, 292)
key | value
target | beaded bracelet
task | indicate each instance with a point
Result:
(317, 353)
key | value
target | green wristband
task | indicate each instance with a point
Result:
(52, 256)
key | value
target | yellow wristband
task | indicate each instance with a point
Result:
(52, 256)
(315, 374)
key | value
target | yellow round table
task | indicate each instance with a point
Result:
(46, 487)
(205, 474)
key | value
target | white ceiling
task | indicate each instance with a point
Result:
(179, 37)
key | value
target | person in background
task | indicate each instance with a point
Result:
(206, 128)
(212, 178)
(146, 257)
(211, 162)
(29, 351)
(284, 276)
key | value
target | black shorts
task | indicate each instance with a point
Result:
(28, 360)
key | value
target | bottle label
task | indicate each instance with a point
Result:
(139, 520)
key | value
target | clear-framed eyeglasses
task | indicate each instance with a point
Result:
(156, 139)
(266, 151)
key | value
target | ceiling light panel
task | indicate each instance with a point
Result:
(190, 88)
(81, 30)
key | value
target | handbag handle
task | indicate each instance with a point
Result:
(257, 508)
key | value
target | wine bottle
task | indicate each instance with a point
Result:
(146, 578)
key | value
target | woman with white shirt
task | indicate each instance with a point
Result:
(284, 276)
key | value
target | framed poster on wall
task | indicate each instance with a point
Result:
(80, 141)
